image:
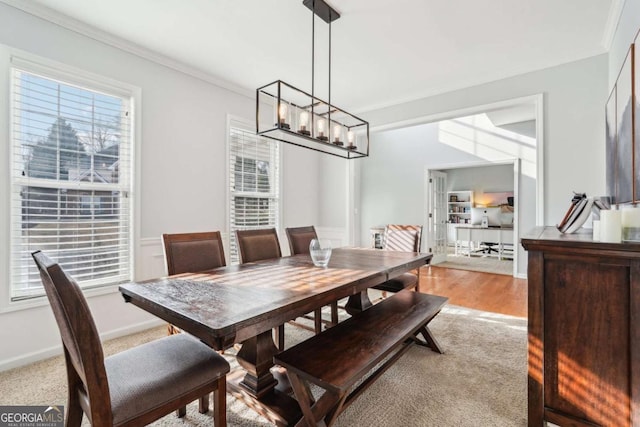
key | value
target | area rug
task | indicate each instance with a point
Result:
(479, 381)
(478, 263)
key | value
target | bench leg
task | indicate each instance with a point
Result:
(430, 339)
(321, 413)
(303, 396)
(332, 415)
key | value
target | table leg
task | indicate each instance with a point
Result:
(256, 357)
(256, 385)
(358, 303)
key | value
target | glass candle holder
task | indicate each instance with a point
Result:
(320, 251)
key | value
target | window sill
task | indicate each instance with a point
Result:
(11, 306)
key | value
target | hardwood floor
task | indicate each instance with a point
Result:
(496, 293)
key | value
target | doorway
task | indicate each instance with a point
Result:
(392, 180)
(460, 197)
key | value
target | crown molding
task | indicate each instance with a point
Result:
(615, 13)
(69, 23)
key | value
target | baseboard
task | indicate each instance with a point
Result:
(521, 276)
(36, 356)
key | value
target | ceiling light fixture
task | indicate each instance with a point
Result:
(302, 119)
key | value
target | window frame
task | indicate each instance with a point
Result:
(12, 61)
(248, 126)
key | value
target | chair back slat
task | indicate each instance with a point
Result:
(402, 237)
(299, 239)
(80, 337)
(256, 245)
(193, 252)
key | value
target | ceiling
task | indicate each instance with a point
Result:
(384, 52)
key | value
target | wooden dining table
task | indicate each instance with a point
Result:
(242, 303)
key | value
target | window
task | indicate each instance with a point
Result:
(254, 200)
(70, 181)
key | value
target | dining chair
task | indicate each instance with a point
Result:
(192, 253)
(299, 239)
(258, 245)
(404, 238)
(134, 387)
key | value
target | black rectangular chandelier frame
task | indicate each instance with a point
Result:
(302, 119)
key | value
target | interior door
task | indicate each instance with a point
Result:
(437, 216)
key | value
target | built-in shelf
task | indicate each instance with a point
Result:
(459, 204)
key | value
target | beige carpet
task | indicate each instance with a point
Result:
(479, 381)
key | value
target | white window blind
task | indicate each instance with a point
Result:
(254, 184)
(71, 181)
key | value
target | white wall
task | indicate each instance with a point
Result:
(628, 26)
(574, 94)
(182, 177)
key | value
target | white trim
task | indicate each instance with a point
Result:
(517, 170)
(540, 138)
(613, 20)
(43, 12)
(453, 114)
(248, 125)
(50, 69)
(154, 242)
(515, 162)
(35, 356)
(10, 306)
(73, 76)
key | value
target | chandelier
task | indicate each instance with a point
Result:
(301, 118)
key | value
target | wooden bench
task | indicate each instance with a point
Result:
(337, 358)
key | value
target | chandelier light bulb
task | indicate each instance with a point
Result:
(304, 119)
(282, 116)
(337, 131)
(303, 123)
(321, 135)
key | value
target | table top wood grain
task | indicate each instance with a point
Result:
(231, 304)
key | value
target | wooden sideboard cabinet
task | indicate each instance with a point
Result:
(584, 330)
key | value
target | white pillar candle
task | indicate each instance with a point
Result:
(631, 218)
(610, 226)
(596, 230)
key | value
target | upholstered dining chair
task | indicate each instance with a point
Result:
(256, 245)
(136, 386)
(299, 239)
(192, 253)
(402, 238)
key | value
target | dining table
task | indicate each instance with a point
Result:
(241, 304)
